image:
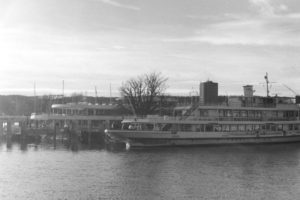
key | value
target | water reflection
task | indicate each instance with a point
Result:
(91, 171)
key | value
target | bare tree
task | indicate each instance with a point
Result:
(144, 92)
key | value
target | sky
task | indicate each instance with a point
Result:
(103, 43)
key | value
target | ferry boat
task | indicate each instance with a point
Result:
(215, 120)
(89, 120)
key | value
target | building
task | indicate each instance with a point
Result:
(208, 93)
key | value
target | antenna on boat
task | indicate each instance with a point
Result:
(34, 93)
(110, 93)
(63, 90)
(267, 81)
(96, 95)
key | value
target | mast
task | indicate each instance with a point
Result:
(63, 91)
(34, 94)
(96, 95)
(110, 93)
(267, 81)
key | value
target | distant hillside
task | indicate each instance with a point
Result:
(16, 105)
(25, 105)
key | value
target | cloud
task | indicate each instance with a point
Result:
(117, 4)
(266, 8)
(281, 30)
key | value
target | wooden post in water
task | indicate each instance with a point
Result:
(1, 130)
(8, 134)
(67, 134)
(23, 132)
(89, 133)
(23, 139)
(107, 125)
(74, 136)
(54, 135)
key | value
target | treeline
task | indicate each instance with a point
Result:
(25, 105)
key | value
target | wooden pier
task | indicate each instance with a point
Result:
(88, 129)
(8, 128)
(69, 123)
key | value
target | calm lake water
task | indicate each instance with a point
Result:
(220, 172)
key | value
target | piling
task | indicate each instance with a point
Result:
(67, 133)
(74, 136)
(1, 130)
(22, 126)
(54, 134)
(8, 134)
(89, 133)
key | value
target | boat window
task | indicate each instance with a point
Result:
(217, 128)
(174, 127)
(225, 128)
(244, 113)
(273, 127)
(236, 113)
(228, 113)
(291, 127)
(157, 127)
(209, 127)
(285, 127)
(97, 123)
(279, 127)
(98, 112)
(268, 127)
(241, 127)
(251, 113)
(249, 127)
(90, 112)
(147, 127)
(258, 114)
(198, 128)
(132, 127)
(125, 126)
(256, 127)
(221, 113)
(233, 128)
(115, 124)
(186, 127)
(167, 127)
(203, 113)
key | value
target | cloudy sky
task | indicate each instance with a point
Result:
(90, 43)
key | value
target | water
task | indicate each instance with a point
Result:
(227, 172)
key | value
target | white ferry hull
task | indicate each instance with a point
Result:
(139, 139)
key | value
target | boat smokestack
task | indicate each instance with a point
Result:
(208, 93)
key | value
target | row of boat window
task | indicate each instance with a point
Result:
(211, 127)
(81, 112)
(247, 113)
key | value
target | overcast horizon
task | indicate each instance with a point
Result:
(90, 43)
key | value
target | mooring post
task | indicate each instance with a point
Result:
(67, 134)
(1, 130)
(107, 125)
(23, 131)
(54, 135)
(8, 134)
(75, 136)
(89, 133)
